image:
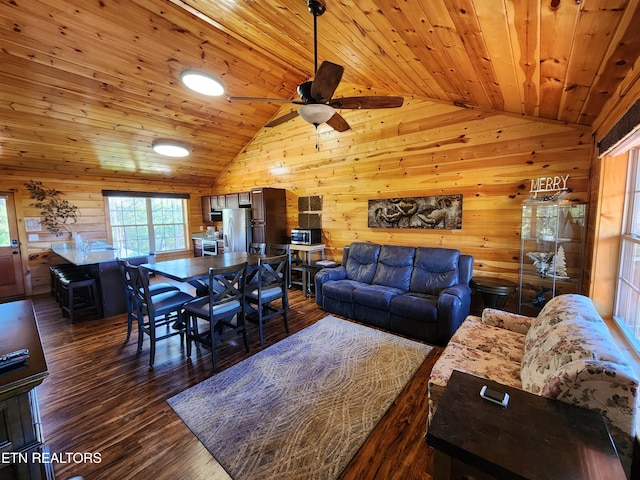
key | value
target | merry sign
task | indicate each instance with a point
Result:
(557, 183)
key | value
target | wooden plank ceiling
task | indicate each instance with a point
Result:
(87, 85)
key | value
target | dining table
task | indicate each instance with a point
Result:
(194, 270)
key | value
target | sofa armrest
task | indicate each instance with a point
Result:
(324, 275)
(609, 388)
(461, 291)
(454, 304)
(507, 320)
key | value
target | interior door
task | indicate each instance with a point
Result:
(11, 281)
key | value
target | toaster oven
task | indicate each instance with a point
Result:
(306, 236)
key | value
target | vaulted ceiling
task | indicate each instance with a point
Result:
(87, 85)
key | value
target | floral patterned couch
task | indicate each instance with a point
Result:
(566, 353)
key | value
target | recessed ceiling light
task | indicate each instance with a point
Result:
(170, 149)
(202, 83)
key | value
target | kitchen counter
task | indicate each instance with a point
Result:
(204, 236)
(205, 244)
(94, 252)
(99, 260)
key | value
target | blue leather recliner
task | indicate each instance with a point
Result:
(421, 292)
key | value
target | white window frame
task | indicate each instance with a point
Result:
(626, 308)
(153, 247)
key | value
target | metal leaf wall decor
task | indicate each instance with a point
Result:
(436, 212)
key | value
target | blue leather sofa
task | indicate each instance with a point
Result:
(421, 292)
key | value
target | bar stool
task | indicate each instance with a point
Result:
(78, 293)
(55, 271)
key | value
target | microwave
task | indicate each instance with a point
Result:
(306, 236)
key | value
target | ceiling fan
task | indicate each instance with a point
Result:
(316, 103)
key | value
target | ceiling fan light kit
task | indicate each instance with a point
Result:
(316, 113)
(202, 83)
(169, 148)
(316, 103)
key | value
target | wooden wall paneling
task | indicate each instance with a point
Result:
(618, 63)
(405, 65)
(86, 194)
(605, 226)
(464, 17)
(617, 105)
(417, 153)
(523, 19)
(434, 85)
(498, 41)
(557, 27)
(596, 18)
(451, 48)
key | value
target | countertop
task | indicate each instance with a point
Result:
(93, 252)
(204, 237)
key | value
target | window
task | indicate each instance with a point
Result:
(4, 222)
(147, 224)
(627, 304)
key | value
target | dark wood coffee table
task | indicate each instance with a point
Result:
(532, 438)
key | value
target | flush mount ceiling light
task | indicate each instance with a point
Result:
(170, 149)
(202, 83)
(316, 113)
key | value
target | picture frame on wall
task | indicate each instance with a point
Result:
(32, 224)
(435, 212)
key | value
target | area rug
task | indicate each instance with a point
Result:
(302, 407)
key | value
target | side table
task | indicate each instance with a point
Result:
(495, 291)
(533, 438)
(308, 273)
(303, 254)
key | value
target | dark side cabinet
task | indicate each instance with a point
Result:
(21, 436)
(269, 215)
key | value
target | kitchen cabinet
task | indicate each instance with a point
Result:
(206, 208)
(551, 252)
(218, 202)
(269, 212)
(231, 200)
(197, 247)
(244, 198)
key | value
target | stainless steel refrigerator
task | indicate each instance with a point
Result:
(236, 228)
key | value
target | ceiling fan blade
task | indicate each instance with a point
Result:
(338, 123)
(282, 119)
(367, 102)
(326, 81)
(261, 99)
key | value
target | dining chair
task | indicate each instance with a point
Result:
(268, 285)
(128, 275)
(274, 249)
(223, 308)
(158, 310)
(259, 248)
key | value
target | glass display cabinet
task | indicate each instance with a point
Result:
(551, 252)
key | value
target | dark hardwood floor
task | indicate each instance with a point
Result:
(101, 398)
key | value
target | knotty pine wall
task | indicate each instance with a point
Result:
(608, 176)
(86, 194)
(423, 148)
